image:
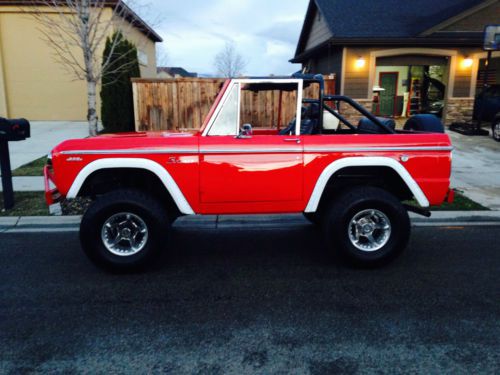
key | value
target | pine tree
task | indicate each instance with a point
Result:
(117, 107)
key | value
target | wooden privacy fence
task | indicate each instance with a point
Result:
(182, 104)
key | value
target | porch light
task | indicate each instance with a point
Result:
(360, 62)
(467, 62)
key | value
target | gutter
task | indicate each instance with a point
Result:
(468, 40)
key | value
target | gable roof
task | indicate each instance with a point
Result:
(123, 9)
(372, 19)
(176, 71)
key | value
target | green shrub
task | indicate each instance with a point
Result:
(117, 107)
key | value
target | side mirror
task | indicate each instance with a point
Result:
(245, 131)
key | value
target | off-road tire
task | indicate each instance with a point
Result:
(337, 225)
(139, 204)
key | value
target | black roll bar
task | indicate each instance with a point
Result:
(357, 107)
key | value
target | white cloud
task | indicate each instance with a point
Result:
(264, 31)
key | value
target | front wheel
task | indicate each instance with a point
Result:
(495, 130)
(367, 226)
(124, 230)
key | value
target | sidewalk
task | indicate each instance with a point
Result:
(45, 135)
(27, 184)
(475, 168)
(257, 222)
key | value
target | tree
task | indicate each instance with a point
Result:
(76, 31)
(117, 107)
(228, 62)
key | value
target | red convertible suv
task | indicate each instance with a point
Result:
(352, 179)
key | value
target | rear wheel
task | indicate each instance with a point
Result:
(367, 226)
(495, 130)
(124, 230)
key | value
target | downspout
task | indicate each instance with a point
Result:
(4, 109)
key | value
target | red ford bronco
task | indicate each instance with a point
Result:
(352, 179)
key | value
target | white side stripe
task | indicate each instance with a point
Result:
(364, 162)
(253, 150)
(146, 164)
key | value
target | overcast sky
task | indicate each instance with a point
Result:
(265, 32)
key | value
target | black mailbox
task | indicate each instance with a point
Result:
(10, 130)
(14, 130)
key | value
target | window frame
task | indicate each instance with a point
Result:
(229, 91)
(239, 84)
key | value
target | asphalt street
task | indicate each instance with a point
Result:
(231, 301)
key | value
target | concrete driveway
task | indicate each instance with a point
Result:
(44, 136)
(476, 168)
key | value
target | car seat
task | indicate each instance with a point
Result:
(367, 126)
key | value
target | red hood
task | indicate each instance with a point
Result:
(129, 141)
(158, 134)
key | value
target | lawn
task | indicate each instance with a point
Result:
(461, 203)
(26, 204)
(35, 168)
(33, 204)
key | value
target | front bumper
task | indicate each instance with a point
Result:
(52, 195)
(450, 196)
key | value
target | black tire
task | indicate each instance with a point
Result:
(495, 129)
(366, 201)
(314, 217)
(133, 204)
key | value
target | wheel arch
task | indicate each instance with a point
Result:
(144, 165)
(357, 162)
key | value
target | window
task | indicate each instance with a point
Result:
(226, 122)
(142, 57)
(268, 105)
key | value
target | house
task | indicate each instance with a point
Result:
(174, 72)
(33, 85)
(400, 57)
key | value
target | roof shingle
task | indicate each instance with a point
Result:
(388, 18)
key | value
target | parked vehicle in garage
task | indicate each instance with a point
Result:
(487, 109)
(351, 179)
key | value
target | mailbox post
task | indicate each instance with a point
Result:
(10, 131)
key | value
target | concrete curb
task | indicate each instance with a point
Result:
(259, 222)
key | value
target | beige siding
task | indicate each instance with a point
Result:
(36, 87)
(319, 32)
(475, 22)
(463, 75)
(356, 79)
(143, 43)
(33, 84)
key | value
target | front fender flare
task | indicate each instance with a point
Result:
(363, 161)
(136, 163)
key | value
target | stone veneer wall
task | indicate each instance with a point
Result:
(458, 110)
(351, 114)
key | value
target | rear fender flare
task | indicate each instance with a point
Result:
(337, 165)
(136, 163)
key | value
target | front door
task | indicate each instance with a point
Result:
(250, 173)
(389, 82)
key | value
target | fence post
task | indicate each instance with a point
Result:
(136, 107)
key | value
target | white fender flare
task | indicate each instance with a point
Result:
(136, 163)
(363, 161)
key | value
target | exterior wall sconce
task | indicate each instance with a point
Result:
(467, 63)
(360, 62)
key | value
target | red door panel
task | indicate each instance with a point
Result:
(258, 169)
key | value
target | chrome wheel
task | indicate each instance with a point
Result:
(369, 230)
(124, 234)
